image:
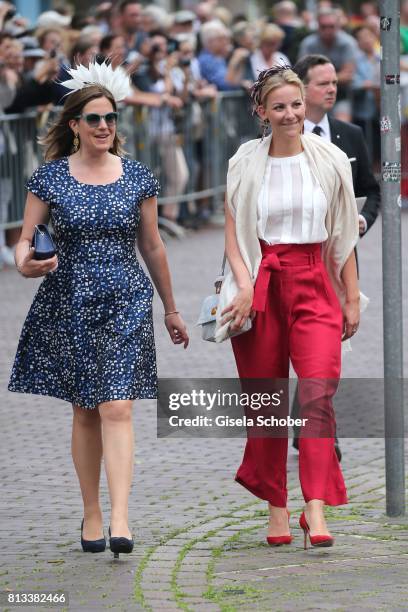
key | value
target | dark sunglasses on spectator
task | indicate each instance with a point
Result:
(93, 119)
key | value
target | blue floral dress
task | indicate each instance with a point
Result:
(88, 336)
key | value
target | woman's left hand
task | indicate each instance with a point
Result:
(177, 329)
(351, 318)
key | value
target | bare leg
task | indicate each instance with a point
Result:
(278, 521)
(87, 456)
(118, 449)
(315, 517)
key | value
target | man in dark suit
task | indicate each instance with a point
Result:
(319, 77)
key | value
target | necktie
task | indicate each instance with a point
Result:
(317, 130)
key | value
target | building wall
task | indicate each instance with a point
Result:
(31, 8)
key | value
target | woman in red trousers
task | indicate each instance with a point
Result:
(291, 228)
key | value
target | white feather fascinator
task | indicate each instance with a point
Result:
(116, 81)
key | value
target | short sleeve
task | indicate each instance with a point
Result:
(39, 183)
(150, 186)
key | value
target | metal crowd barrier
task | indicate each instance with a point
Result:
(18, 160)
(188, 150)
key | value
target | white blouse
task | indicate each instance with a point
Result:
(291, 206)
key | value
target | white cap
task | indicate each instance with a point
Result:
(34, 52)
(52, 19)
(184, 16)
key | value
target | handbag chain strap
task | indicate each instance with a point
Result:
(218, 281)
(224, 261)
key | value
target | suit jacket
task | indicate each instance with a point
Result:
(350, 139)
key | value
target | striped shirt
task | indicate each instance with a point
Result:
(291, 205)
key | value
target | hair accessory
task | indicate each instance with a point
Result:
(116, 81)
(256, 89)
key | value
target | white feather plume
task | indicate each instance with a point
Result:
(116, 81)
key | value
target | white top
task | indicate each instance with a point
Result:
(292, 206)
(323, 124)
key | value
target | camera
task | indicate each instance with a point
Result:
(172, 45)
(185, 62)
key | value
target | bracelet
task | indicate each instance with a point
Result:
(167, 314)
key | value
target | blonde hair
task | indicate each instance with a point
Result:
(224, 15)
(271, 32)
(271, 79)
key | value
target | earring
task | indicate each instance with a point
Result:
(75, 143)
(265, 127)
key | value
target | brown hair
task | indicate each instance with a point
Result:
(42, 34)
(58, 141)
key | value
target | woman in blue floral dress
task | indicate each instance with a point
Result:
(88, 337)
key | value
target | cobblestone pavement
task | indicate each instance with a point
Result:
(199, 536)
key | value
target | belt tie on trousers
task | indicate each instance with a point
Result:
(274, 258)
(269, 263)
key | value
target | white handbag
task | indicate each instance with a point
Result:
(208, 312)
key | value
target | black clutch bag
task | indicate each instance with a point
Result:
(43, 244)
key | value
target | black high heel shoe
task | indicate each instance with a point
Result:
(120, 545)
(93, 546)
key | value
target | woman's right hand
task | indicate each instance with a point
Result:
(34, 268)
(239, 309)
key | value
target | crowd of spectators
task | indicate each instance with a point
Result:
(185, 57)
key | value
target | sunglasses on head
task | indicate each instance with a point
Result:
(93, 119)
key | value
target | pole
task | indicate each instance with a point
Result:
(391, 257)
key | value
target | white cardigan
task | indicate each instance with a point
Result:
(244, 179)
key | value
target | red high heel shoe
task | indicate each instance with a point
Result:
(279, 540)
(316, 540)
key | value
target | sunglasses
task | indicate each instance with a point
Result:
(93, 119)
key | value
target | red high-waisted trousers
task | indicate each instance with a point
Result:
(298, 318)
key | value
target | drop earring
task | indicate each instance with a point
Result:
(265, 127)
(75, 143)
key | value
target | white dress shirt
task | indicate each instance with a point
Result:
(323, 125)
(292, 206)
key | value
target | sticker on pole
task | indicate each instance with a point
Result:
(385, 23)
(392, 79)
(391, 172)
(385, 124)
